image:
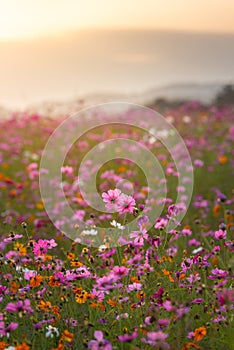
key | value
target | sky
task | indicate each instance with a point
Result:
(33, 18)
(56, 50)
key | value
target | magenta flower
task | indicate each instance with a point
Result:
(134, 287)
(156, 339)
(226, 297)
(67, 170)
(43, 245)
(186, 232)
(193, 278)
(108, 282)
(218, 273)
(5, 330)
(198, 162)
(173, 210)
(100, 343)
(120, 271)
(127, 337)
(12, 237)
(19, 306)
(220, 234)
(161, 223)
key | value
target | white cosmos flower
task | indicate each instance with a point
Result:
(51, 331)
(117, 225)
(91, 232)
(102, 248)
(187, 119)
(163, 133)
(197, 250)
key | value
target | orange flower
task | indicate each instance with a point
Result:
(20, 248)
(222, 159)
(111, 303)
(31, 218)
(93, 305)
(67, 336)
(55, 310)
(14, 287)
(188, 346)
(168, 273)
(60, 347)
(214, 261)
(134, 279)
(3, 345)
(77, 290)
(47, 257)
(217, 210)
(182, 276)
(70, 256)
(121, 169)
(40, 206)
(100, 306)
(199, 333)
(45, 305)
(36, 281)
(89, 296)
(76, 263)
(53, 282)
(23, 346)
(140, 295)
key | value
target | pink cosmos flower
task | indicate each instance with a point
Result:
(32, 166)
(198, 162)
(220, 234)
(5, 330)
(112, 199)
(193, 278)
(161, 223)
(100, 343)
(134, 287)
(120, 271)
(12, 237)
(127, 204)
(43, 245)
(156, 339)
(127, 337)
(67, 170)
(226, 297)
(173, 210)
(218, 273)
(19, 306)
(186, 232)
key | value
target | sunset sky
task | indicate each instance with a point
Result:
(27, 18)
(59, 50)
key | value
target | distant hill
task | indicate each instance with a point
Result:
(204, 93)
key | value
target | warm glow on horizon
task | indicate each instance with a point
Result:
(27, 19)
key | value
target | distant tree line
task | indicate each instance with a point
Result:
(225, 96)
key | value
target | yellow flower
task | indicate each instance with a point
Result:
(81, 297)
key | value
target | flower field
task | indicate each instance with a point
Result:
(151, 288)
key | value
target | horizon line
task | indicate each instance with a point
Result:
(73, 31)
